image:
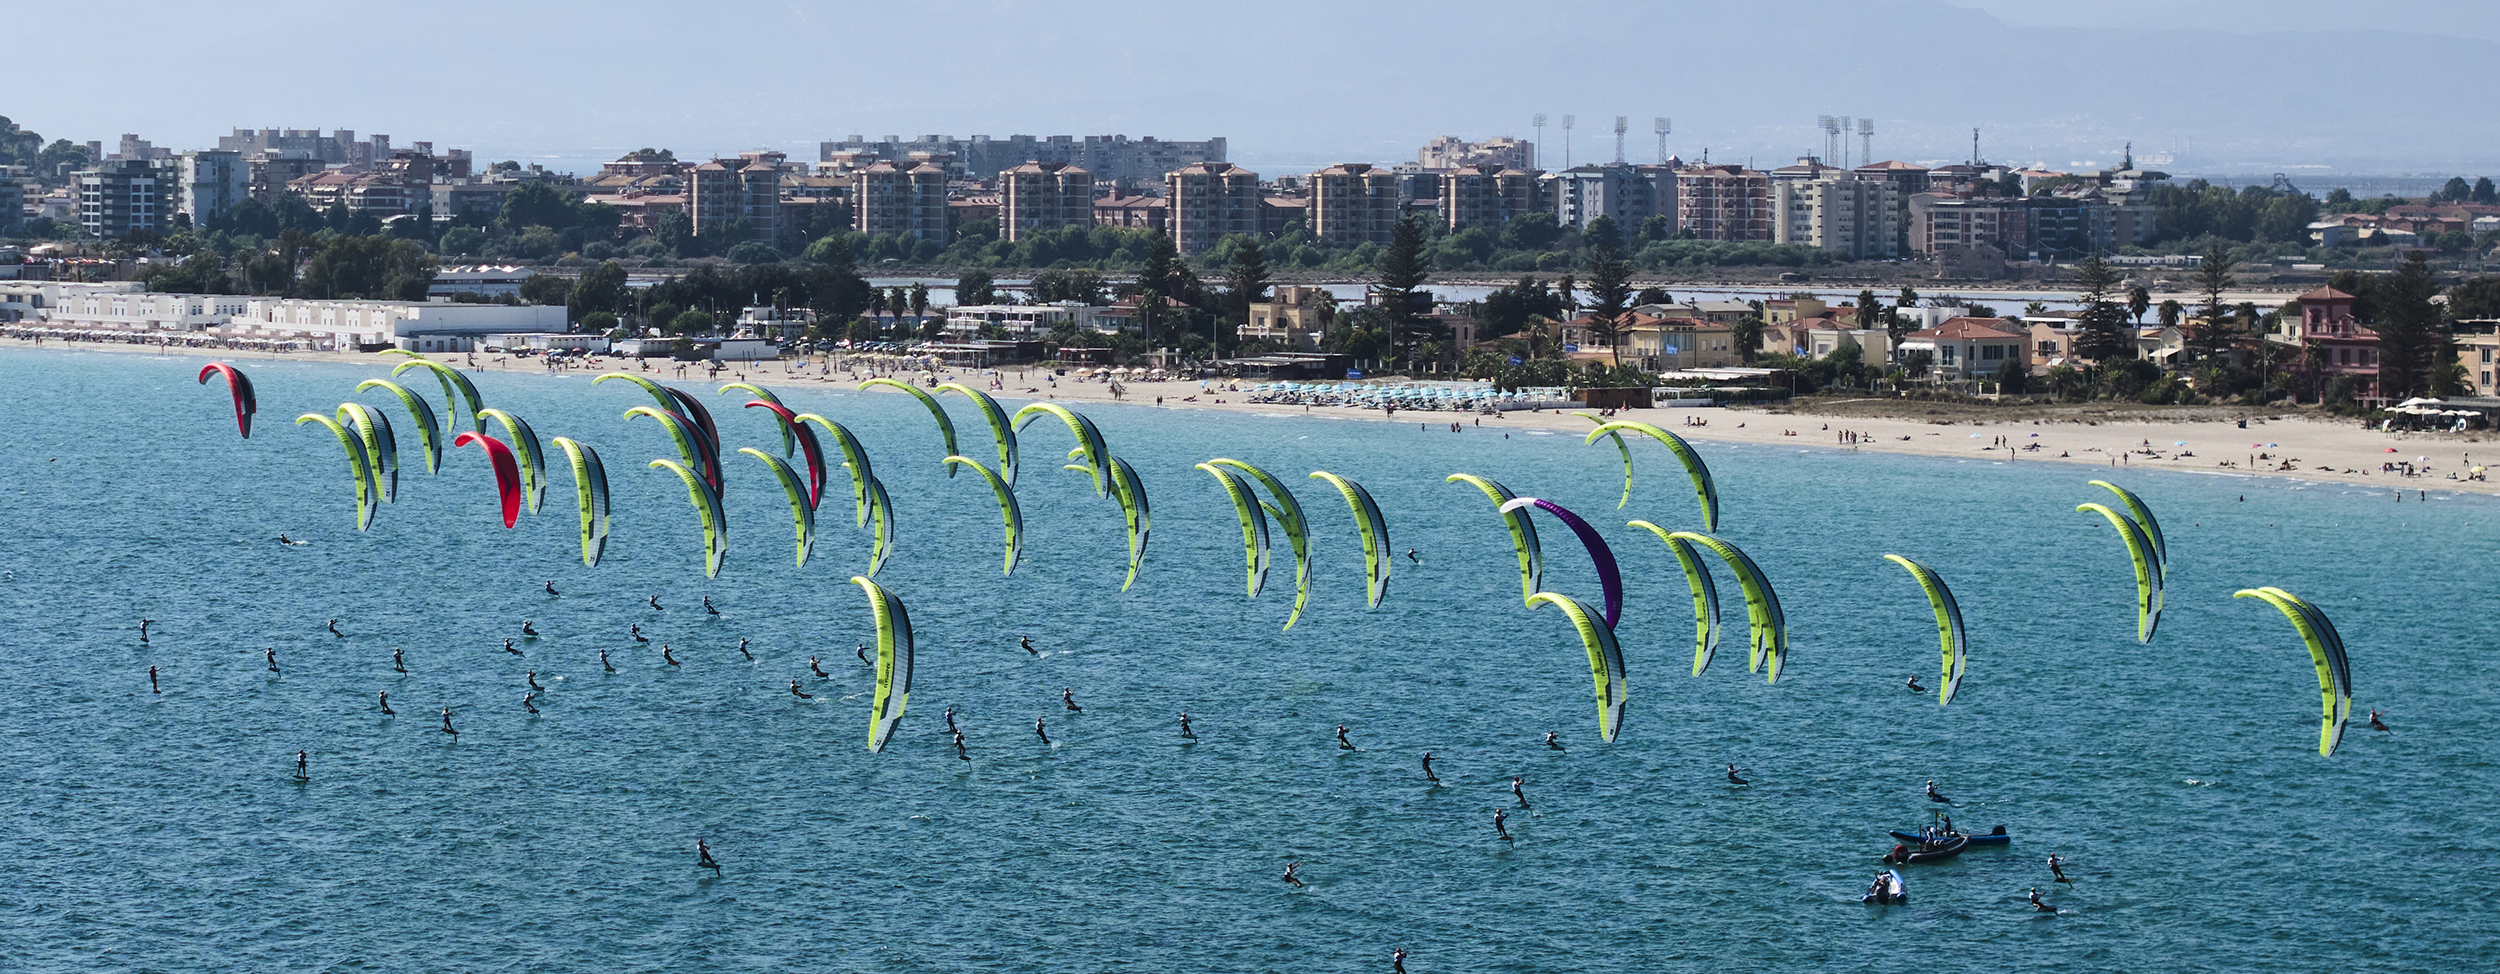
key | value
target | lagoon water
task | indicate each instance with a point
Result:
(161, 832)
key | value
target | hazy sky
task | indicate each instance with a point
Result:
(2217, 85)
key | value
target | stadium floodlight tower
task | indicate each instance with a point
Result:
(1866, 141)
(1621, 123)
(1664, 126)
(1831, 131)
(1567, 120)
(1538, 122)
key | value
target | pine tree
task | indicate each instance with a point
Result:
(2410, 329)
(1610, 293)
(1403, 270)
(2104, 336)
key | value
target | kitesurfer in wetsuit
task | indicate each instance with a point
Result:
(2036, 904)
(272, 655)
(386, 704)
(818, 668)
(2375, 723)
(1039, 731)
(950, 722)
(334, 629)
(707, 606)
(1410, 556)
(1733, 779)
(1914, 687)
(528, 631)
(960, 753)
(860, 651)
(447, 728)
(1428, 775)
(143, 629)
(1186, 733)
(527, 703)
(2057, 868)
(603, 662)
(742, 649)
(1027, 642)
(656, 606)
(1933, 796)
(152, 680)
(1552, 741)
(282, 539)
(801, 694)
(533, 680)
(302, 765)
(1290, 869)
(664, 654)
(551, 587)
(703, 857)
(398, 661)
(1517, 791)
(1498, 828)
(635, 630)
(1342, 743)
(1067, 697)
(1397, 961)
(509, 648)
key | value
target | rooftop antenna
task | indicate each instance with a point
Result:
(1831, 132)
(1538, 120)
(1621, 122)
(1866, 141)
(1567, 120)
(1664, 126)
(1974, 147)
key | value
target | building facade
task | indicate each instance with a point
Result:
(118, 199)
(744, 189)
(1041, 196)
(1297, 314)
(1354, 203)
(1728, 203)
(213, 181)
(1208, 202)
(1629, 194)
(2334, 343)
(1113, 159)
(1486, 196)
(1501, 152)
(1838, 211)
(906, 199)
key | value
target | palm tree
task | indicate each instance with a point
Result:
(2138, 300)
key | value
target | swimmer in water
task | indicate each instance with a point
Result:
(2057, 868)
(656, 606)
(533, 680)
(1732, 777)
(818, 668)
(742, 649)
(399, 661)
(1186, 733)
(1290, 869)
(272, 655)
(1914, 687)
(2375, 723)
(509, 648)
(1067, 697)
(303, 764)
(801, 694)
(603, 662)
(1039, 731)
(551, 587)
(707, 606)
(703, 857)
(447, 728)
(1552, 741)
(528, 702)
(1342, 743)
(2036, 904)
(1934, 796)
(1028, 646)
(1518, 791)
(1428, 775)
(152, 680)
(334, 629)
(386, 705)
(528, 631)
(1498, 828)
(664, 654)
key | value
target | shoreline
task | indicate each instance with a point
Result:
(2319, 451)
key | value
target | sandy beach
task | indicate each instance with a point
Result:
(2297, 447)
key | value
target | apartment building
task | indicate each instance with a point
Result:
(118, 199)
(1486, 196)
(1723, 203)
(1629, 194)
(1040, 196)
(1450, 152)
(1209, 201)
(1838, 211)
(212, 182)
(905, 199)
(1354, 203)
(1111, 159)
(12, 205)
(1292, 313)
(1941, 222)
(745, 189)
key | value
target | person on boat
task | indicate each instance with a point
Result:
(1732, 777)
(635, 630)
(666, 655)
(801, 694)
(818, 668)
(1027, 643)
(707, 606)
(1914, 687)
(551, 587)
(603, 662)
(1934, 796)
(2057, 868)
(1553, 742)
(386, 704)
(398, 661)
(509, 648)
(1881, 892)
(742, 649)
(1342, 743)
(1067, 697)
(272, 655)
(152, 680)
(528, 631)
(1040, 730)
(334, 629)
(703, 857)
(1290, 869)
(1186, 733)
(1517, 790)
(2037, 904)
(2375, 723)
(1428, 775)
(1499, 816)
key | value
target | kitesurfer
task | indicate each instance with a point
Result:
(1553, 742)
(1517, 791)
(1397, 958)
(533, 680)
(818, 668)
(742, 649)
(707, 606)
(1342, 743)
(1934, 796)
(1410, 556)
(801, 694)
(950, 722)
(1186, 733)
(302, 765)
(1914, 687)
(551, 587)
(1732, 777)
(860, 651)
(447, 728)
(1498, 828)
(664, 654)
(152, 680)
(656, 606)
(703, 854)
(143, 629)
(272, 655)
(509, 648)
(386, 705)
(2375, 723)
(527, 704)
(603, 662)
(528, 631)
(1028, 646)
(334, 629)
(1040, 731)
(1428, 775)
(398, 661)
(2057, 868)
(1067, 698)
(1290, 869)
(637, 634)
(960, 753)
(282, 539)
(2036, 904)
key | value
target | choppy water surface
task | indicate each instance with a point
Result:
(165, 832)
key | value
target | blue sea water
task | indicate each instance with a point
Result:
(166, 832)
